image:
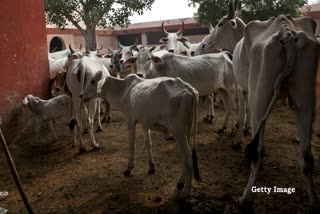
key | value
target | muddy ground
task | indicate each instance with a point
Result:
(58, 179)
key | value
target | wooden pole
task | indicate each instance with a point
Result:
(14, 172)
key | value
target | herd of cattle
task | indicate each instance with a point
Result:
(159, 87)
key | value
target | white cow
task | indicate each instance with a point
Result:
(173, 109)
(206, 73)
(79, 73)
(174, 41)
(125, 53)
(272, 52)
(48, 110)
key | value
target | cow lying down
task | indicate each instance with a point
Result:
(48, 110)
(162, 104)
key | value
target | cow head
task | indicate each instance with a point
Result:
(115, 59)
(94, 88)
(172, 39)
(145, 62)
(227, 32)
(125, 53)
(75, 54)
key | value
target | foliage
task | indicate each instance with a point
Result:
(210, 11)
(93, 13)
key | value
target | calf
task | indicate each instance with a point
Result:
(173, 109)
(48, 110)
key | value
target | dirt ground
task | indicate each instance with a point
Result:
(58, 179)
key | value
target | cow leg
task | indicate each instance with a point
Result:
(187, 169)
(229, 109)
(106, 115)
(248, 113)
(147, 141)
(246, 200)
(99, 129)
(132, 142)
(242, 108)
(210, 109)
(53, 131)
(304, 113)
(92, 111)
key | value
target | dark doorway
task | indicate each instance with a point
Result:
(56, 44)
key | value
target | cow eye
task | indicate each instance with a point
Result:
(203, 46)
(93, 82)
(149, 58)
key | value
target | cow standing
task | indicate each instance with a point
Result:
(272, 52)
(173, 109)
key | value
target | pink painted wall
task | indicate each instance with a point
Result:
(23, 54)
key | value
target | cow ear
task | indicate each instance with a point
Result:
(99, 75)
(157, 60)
(233, 23)
(108, 55)
(183, 39)
(163, 40)
(131, 60)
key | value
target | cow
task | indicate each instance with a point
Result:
(125, 53)
(226, 34)
(174, 41)
(79, 73)
(59, 54)
(173, 109)
(58, 84)
(48, 110)
(272, 52)
(206, 73)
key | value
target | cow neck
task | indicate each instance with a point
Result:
(116, 90)
(35, 106)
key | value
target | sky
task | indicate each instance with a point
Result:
(165, 9)
(171, 9)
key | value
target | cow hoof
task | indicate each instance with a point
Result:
(82, 150)
(180, 186)
(151, 171)
(126, 173)
(99, 129)
(236, 145)
(170, 138)
(85, 131)
(54, 140)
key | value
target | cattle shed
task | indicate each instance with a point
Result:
(23, 59)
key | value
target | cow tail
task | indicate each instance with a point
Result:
(194, 153)
(289, 48)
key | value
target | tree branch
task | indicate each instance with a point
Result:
(76, 24)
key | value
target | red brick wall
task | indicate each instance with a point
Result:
(23, 53)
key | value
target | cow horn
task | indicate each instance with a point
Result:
(164, 30)
(181, 31)
(152, 48)
(100, 48)
(80, 47)
(231, 10)
(135, 44)
(119, 44)
(110, 50)
(72, 51)
(239, 8)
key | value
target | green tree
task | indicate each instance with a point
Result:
(210, 11)
(93, 13)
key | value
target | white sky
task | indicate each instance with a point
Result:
(165, 9)
(171, 9)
